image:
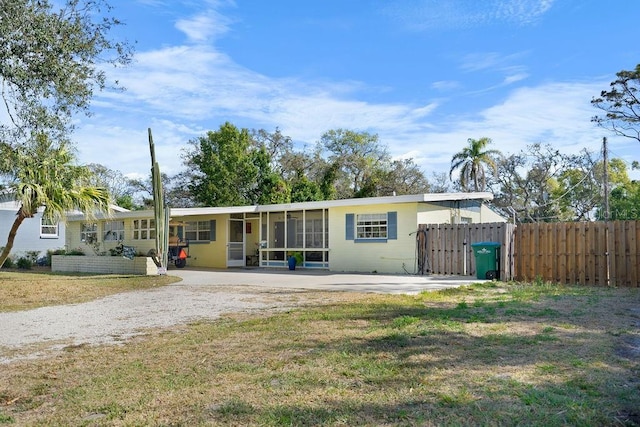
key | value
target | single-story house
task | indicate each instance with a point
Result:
(375, 234)
(35, 235)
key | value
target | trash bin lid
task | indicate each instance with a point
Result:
(495, 244)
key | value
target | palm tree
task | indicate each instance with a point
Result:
(41, 174)
(471, 161)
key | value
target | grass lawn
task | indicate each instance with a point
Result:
(23, 290)
(487, 354)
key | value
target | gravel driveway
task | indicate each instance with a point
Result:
(200, 295)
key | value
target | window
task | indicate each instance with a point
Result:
(48, 229)
(113, 231)
(144, 229)
(371, 226)
(89, 232)
(197, 231)
(314, 232)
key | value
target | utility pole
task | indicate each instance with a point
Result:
(605, 157)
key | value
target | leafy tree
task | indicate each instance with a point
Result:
(51, 63)
(305, 190)
(140, 192)
(526, 180)
(621, 105)
(121, 188)
(624, 196)
(43, 174)
(222, 174)
(403, 177)
(270, 187)
(624, 202)
(439, 183)
(542, 184)
(227, 168)
(279, 149)
(327, 181)
(471, 162)
(358, 157)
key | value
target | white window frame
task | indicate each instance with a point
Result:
(113, 231)
(49, 230)
(144, 229)
(372, 226)
(197, 231)
(314, 231)
(89, 232)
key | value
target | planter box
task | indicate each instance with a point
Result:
(103, 265)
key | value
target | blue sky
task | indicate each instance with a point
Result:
(425, 75)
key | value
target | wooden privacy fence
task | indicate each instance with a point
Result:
(589, 253)
(446, 248)
(586, 253)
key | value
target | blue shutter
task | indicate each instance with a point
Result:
(392, 225)
(349, 227)
(180, 232)
(212, 230)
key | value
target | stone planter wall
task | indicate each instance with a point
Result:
(103, 265)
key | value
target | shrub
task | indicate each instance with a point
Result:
(32, 255)
(8, 263)
(24, 263)
(52, 252)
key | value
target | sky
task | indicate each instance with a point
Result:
(424, 75)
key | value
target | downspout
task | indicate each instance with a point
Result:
(464, 257)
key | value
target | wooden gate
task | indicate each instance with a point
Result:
(446, 248)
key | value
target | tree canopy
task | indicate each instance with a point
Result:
(234, 166)
(50, 62)
(226, 168)
(621, 105)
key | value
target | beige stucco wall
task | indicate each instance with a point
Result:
(208, 253)
(201, 254)
(438, 214)
(394, 256)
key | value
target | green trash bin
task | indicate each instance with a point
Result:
(487, 256)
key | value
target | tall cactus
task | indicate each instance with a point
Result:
(161, 214)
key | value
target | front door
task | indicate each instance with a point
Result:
(235, 243)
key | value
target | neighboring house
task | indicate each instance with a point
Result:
(360, 235)
(34, 235)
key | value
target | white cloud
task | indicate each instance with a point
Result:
(428, 15)
(513, 78)
(554, 113)
(204, 27)
(183, 91)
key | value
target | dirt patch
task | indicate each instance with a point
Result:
(114, 319)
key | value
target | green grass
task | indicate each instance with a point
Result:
(490, 354)
(27, 290)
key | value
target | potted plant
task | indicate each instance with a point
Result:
(294, 259)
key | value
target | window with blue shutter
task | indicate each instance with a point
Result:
(372, 227)
(392, 225)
